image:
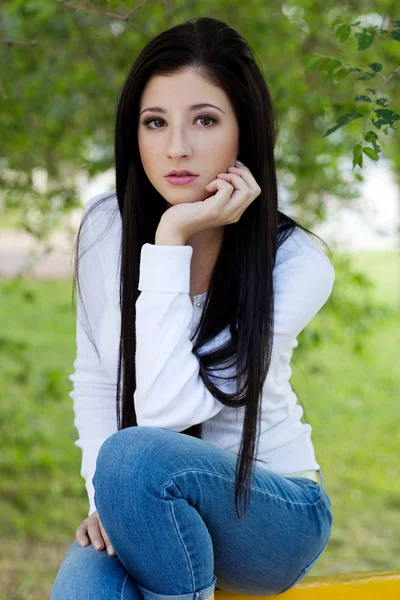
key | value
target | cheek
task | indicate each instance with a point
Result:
(221, 158)
(223, 150)
(147, 156)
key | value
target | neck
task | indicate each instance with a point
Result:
(206, 245)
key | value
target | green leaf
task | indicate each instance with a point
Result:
(362, 99)
(343, 120)
(357, 155)
(386, 117)
(375, 67)
(336, 22)
(396, 35)
(383, 101)
(312, 61)
(371, 153)
(334, 64)
(324, 63)
(366, 76)
(370, 136)
(341, 74)
(364, 39)
(343, 33)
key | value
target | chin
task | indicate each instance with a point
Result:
(173, 200)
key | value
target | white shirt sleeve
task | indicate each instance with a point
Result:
(170, 392)
(93, 393)
(302, 285)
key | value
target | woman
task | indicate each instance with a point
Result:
(190, 277)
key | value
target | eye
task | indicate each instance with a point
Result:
(207, 117)
(149, 120)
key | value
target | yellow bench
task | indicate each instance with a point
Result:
(376, 585)
(373, 585)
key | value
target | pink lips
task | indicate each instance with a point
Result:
(180, 179)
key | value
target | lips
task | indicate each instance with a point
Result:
(182, 173)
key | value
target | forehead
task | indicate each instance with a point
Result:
(182, 89)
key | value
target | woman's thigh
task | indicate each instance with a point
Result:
(271, 548)
(88, 574)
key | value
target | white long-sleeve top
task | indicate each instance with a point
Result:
(169, 390)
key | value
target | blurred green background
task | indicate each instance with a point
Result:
(62, 67)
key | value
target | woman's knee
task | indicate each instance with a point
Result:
(132, 459)
(87, 573)
(134, 448)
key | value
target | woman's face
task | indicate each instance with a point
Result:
(204, 140)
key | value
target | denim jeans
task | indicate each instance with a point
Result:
(166, 501)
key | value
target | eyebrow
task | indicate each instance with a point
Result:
(192, 107)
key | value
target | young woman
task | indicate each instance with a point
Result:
(191, 292)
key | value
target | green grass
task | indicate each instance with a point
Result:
(384, 269)
(351, 402)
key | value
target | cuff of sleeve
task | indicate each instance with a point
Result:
(165, 268)
(90, 493)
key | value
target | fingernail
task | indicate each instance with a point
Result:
(82, 543)
(97, 545)
(110, 550)
(240, 163)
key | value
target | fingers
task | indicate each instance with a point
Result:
(235, 191)
(240, 182)
(224, 191)
(242, 194)
(247, 176)
(95, 533)
(81, 534)
(93, 530)
(238, 175)
(110, 549)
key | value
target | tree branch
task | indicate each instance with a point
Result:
(96, 11)
(15, 43)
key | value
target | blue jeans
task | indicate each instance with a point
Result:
(166, 501)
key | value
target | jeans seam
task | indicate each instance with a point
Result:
(121, 592)
(176, 526)
(320, 499)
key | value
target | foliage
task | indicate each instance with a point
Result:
(374, 97)
(59, 93)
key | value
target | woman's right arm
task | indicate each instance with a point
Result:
(93, 392)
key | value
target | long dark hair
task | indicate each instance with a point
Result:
(241, 285)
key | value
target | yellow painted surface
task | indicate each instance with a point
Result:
(374, 585)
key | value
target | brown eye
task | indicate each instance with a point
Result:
(207, 118)
(146, 122)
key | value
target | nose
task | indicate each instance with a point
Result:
(179, 143)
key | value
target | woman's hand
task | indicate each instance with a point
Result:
(235, 191)
(92, 530)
